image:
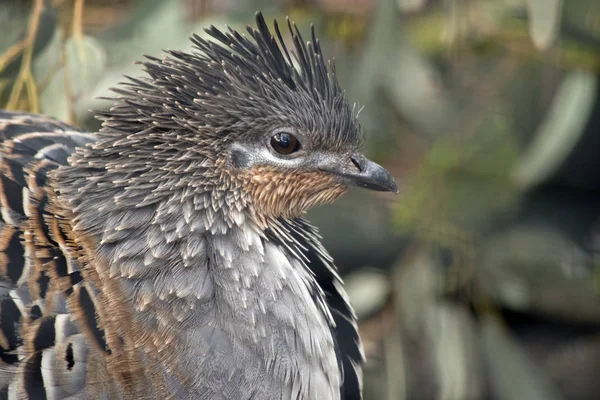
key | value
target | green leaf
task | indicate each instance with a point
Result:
(368, 290)
(540, 270)
(560, 131)
(411, 5)
(544, 21)
(512, 375)
(161, 26)
(85, 62)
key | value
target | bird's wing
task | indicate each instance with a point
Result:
(43, 352)
(345, 332)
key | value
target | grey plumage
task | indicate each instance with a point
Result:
(166, 258)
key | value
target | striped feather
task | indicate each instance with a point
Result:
(43, 352)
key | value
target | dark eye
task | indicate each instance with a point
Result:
(285, 143)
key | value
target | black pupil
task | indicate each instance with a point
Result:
(284, 143)
(285, 140)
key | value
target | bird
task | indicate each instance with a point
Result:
(166, 255)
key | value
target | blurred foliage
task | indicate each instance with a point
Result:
(480, 281)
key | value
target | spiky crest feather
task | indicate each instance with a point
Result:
(235, 85)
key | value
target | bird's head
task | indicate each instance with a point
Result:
(248, 118)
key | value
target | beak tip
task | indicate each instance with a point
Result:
(391, 184)
(394, 187)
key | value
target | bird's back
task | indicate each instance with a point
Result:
(42, 350)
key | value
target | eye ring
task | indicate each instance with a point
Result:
(285, 143)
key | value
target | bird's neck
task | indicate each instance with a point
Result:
(236, 298)
(193, 284)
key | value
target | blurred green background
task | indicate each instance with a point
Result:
(481, 279)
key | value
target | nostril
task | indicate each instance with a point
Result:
(356, 164)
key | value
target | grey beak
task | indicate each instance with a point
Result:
(371, 175)
(365, 174)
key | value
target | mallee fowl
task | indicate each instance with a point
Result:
(164, 256)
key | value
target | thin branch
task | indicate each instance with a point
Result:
(25, 77)
(77, 27)
(12, 53)
(68, 87)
